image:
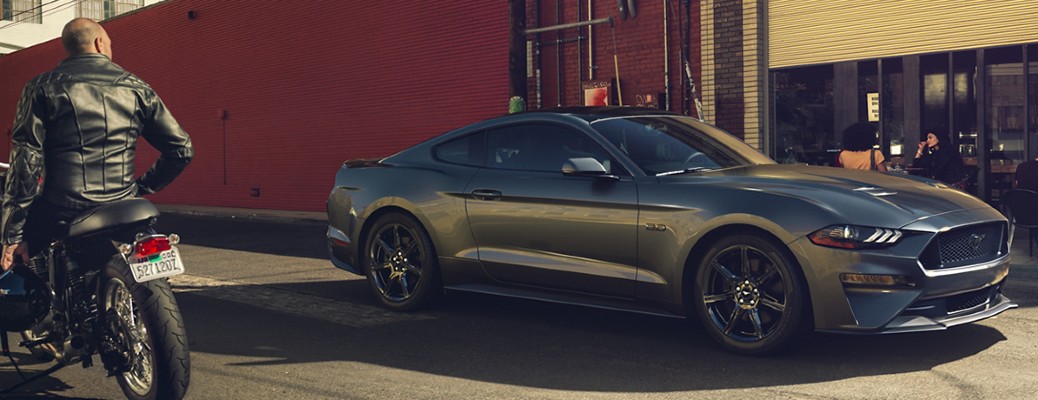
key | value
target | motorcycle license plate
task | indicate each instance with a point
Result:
(161, 265)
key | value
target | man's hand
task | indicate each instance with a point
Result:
(20, 249)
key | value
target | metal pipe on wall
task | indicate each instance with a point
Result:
(537, 44)
(590, 42)
(558, 55)
(580, 65)
(666, 58)
(606, 20)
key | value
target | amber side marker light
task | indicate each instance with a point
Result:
(876, 280)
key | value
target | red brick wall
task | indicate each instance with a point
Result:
(639, 50)
(306, 85)
(729, 83)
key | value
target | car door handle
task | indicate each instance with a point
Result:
(486, 194)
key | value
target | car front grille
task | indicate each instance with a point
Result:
(967, 245)
(962, 303)
(968, 300)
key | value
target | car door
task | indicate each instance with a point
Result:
(533, 225)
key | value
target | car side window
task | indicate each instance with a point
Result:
(540, 147)
(467, 150)
(662, 147)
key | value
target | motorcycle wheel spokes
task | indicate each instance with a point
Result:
(132, 335)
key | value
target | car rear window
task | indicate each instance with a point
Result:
(467, 150)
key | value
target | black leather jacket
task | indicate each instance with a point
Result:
(75, 134)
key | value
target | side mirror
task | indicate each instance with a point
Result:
(586, 166)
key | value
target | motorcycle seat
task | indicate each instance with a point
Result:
(111, 215)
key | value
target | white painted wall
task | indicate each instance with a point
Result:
(18, 35)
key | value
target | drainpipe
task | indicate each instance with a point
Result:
(517, 50)
(580, 65)
(558, 56)
(537, 44)
(666, 58)
(590, 43)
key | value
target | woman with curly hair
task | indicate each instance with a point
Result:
(859, 149)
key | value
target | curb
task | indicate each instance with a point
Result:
(246, 213)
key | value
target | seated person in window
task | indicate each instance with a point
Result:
(938, 158)
(1027, 176)
(859, 152)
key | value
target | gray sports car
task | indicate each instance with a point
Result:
(652, 212)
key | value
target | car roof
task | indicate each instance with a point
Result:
(599, 112)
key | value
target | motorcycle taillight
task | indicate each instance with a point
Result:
(151, 245)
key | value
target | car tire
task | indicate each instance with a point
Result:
(401, 263)
(750, 295)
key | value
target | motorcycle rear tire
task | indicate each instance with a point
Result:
(170, 361)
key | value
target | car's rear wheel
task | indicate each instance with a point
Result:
(750, 295)
(401, 263)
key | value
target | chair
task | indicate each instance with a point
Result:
(1021, 208)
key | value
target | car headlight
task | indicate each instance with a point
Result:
(855, 237)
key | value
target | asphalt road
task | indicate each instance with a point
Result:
(268, 317)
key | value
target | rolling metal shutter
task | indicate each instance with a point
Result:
(814, 32)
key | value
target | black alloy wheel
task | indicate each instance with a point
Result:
(401, 263)
(750, 295)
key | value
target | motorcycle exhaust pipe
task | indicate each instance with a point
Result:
(76, 342)
(73, 350)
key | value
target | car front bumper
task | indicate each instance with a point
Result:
(934, 300)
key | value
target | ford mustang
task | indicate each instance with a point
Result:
(653, 212)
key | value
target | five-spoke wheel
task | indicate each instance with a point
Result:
(401, 263)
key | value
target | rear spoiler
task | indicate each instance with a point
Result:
(362, 163)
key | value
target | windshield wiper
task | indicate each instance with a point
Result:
(684, 171)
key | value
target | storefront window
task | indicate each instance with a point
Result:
(804, 115)
(964, 91)
(1032, 97)
(892, 107)
(1005, 116)
(1005, 104)
(934, 70)
(868, 84)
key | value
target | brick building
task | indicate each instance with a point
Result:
(277, 94)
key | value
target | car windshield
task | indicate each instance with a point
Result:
(666, 145)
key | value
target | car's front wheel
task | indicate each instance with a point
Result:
(750, 295)
(401, 263)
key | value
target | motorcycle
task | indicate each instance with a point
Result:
(102, 289)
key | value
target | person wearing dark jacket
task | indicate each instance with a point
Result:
(1026, 176)
(74, 141)
(939, 159)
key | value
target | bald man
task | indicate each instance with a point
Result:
(74, 140)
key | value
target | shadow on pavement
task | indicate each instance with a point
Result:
(534, 344)
(295, 239)
(543, 345)
(46, 387)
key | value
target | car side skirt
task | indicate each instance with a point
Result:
(558, 297)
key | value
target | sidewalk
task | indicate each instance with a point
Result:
(1023, 265)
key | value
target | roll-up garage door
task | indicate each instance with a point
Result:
(814, 32)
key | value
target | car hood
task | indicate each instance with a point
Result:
(860, 197)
